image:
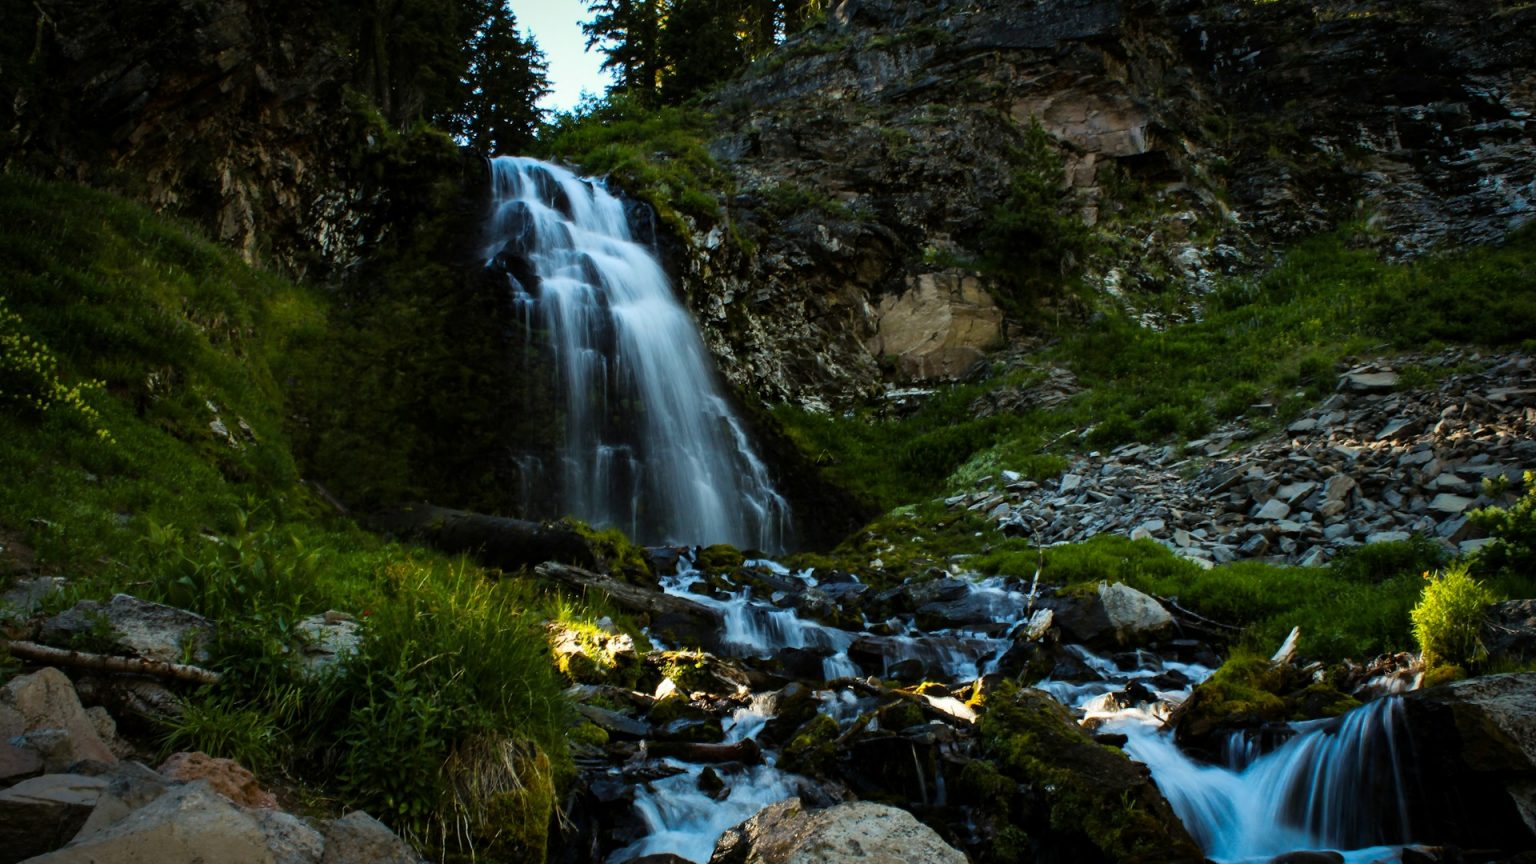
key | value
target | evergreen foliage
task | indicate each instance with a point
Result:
(670, 50)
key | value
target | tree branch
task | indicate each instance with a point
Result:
(129, 665)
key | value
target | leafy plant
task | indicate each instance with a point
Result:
(1449, 616)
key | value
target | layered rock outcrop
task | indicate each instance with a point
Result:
(1198, 137)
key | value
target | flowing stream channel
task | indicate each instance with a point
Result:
(1331, 785)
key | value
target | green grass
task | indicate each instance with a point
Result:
(1278, 339)
(658, 154)
(450, 715)
(1357, 607)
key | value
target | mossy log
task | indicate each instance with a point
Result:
(495, 541)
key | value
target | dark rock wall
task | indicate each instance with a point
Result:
(230, 113)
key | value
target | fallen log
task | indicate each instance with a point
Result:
(36, 653)
(744, 751)
(495, 541)
(631, 597)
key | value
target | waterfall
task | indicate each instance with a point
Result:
(650, 444)
(1336, 784)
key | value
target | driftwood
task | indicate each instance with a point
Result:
(631, 597)
(108, 663)
(495, 541)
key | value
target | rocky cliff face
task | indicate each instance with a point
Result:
(1197, 138)
(227, 113)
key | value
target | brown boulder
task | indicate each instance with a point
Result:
(225, 776)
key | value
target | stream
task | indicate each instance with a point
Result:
(1332, 784)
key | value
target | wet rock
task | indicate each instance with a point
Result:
(1325, 856)
(698, 672)
(133, 627)
(858, 832)
(788, 710)
(746, 751)
(613, 722)
(225, 776)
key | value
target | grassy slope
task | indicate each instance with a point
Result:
(455, 679)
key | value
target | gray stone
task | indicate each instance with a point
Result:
(1069, 484)
(290, 839)
(42, 814)
(189, 824)
(26, 595)
(1387, 537)
(861, 832)
(1445, 502)
(1273, 509)
(358, 838)
(327, 640)
(140, 628)
(18, 763)
(1368, 382)
(1295, 493)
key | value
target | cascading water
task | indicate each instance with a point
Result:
(1337, 784)
(650, 444)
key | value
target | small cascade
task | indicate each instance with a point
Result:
(685, 821)
(650, 444)
(1336, 784)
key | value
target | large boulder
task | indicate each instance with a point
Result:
(1117, 616)
(134, 627)
(863, 832)
(190, 824)
(1475, 744)
(42, 712)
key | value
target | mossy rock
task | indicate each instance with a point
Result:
(1079, 799)
(900, 715)
(695, 672)
(621, 557)
(1249, 691)
(719, 557)
(812, 749)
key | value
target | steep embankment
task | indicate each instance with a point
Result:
(146, 378)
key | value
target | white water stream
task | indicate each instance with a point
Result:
(650, 443)
(1333, 785)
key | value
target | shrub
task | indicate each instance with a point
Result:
(1448, 617)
